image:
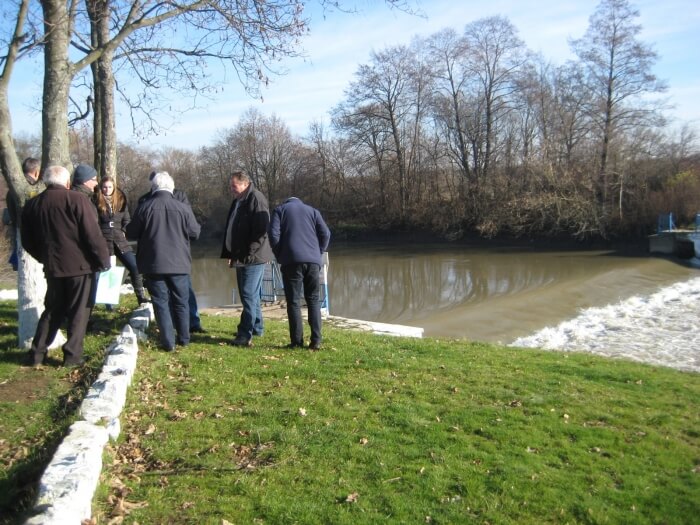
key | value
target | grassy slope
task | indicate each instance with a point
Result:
(378, 429)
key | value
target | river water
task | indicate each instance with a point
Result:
(504, 295)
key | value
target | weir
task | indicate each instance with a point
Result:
(669, 240)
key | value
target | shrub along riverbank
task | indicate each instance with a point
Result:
(378, 429)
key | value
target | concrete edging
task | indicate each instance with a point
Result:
(69, 482)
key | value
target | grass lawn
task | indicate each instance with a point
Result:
(376, 429)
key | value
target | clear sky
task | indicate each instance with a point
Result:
(338, 43)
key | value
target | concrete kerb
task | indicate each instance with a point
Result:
(69, 482)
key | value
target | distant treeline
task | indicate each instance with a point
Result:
(465, 134)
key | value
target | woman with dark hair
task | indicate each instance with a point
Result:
(113, 214)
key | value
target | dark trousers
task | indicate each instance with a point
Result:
(66, 297)
(195, 321)
(169, 293)
(128, 259)
(303, 279)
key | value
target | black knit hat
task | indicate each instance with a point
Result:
(83, 173)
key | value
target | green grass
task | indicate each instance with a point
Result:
(369, 430)
(38, 405)
(379, 429)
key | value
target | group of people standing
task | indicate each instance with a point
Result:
(297, 236)
(73, 229)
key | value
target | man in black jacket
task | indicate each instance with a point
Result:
(163, 227)
(248, 250)
(59, 229)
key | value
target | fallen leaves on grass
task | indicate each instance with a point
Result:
(117, 499)
(251, 457)
(178, 415)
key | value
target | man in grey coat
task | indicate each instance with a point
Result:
(163, 227)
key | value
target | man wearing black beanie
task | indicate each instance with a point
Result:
(84, 179)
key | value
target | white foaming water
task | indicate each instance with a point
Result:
(660, 329)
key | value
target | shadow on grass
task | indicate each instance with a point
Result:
(29, 457)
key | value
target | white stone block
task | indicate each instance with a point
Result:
(68, 484)
(106, 397)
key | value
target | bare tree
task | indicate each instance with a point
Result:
(384, 105)
(618, 73)
(495, 55)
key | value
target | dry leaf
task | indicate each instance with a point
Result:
(364, 441)
(177, 415)
(352, 498)
(302, 412)
(150, 430)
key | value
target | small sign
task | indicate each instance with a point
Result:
(109, 285)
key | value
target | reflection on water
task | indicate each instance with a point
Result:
(473, 293)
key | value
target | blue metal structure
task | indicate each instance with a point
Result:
(273, 287)
(665, 223)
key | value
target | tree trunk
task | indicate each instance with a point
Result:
(58, 74)
(31, 289)
(105, 137)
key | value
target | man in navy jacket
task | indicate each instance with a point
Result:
(299, 236)
(163, 226)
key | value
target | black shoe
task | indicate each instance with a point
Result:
(198, 330)
(314, 346)
(73, 363)
(295, 345)
(241, 341)
(33, 360)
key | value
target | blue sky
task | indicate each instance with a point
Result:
(339, 43)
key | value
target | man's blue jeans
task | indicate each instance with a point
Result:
(169, 292)
(249, 279)
(298, 279)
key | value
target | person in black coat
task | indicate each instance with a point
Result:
(59, 229)
(113, 215)
(248, 250)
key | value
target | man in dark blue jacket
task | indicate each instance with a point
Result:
(299, 236)
(195, 321)
(163, 227)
